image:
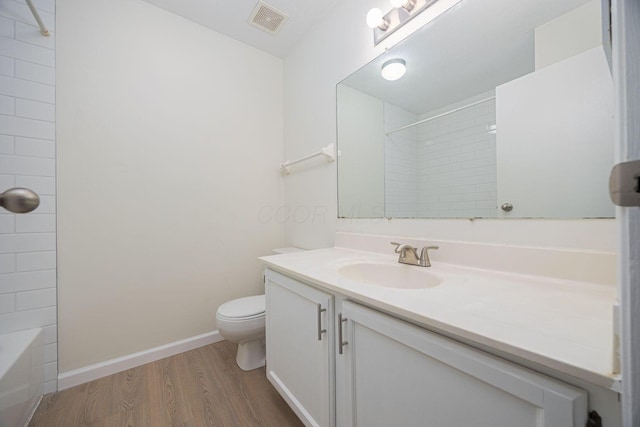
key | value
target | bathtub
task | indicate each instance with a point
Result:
(21, 376)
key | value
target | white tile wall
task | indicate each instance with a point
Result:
(7, 181)
(50, 352)
(21, 165)
(457, 162)
(7, 224)
(41, 298)
(27, 159)
(443, 168)
(34, 147)
(6, 27)
(34, 72)
(6, 66)
(44, 186)
(7, 263)
(25, 89)
(7, 105)
(13, 243)
(33, 261)
(28, 319)
(7, 303)
(401, 164)
(50, 334)
(36, 223)
(35, 110)
(28, 280)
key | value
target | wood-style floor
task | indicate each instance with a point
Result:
(202, 387)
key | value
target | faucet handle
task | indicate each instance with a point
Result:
(424, 256)
(397, 246)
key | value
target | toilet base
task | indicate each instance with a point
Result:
(251, 354)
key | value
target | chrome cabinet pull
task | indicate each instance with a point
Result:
(341, 343)
(320, 330)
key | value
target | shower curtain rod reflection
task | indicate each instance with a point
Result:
(437, 116)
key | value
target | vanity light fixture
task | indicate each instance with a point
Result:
(401, 13)
(376, 20)
(406, 4)
(393, 69)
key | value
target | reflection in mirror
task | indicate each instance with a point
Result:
(505, 104)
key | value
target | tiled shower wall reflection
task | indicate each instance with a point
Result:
(445, 167)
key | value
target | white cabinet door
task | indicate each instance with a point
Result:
(400, 375)
(300, 362)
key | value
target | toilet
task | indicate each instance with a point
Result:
(242, 321)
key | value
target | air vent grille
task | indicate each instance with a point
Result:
(267, 18)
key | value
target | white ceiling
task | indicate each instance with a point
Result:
(471, 49)
(231, 18)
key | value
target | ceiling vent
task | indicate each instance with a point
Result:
(267, 18)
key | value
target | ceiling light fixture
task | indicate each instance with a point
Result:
(393, 69)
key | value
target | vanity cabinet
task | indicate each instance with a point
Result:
(395, 373)
(300, 356)
(350, 365)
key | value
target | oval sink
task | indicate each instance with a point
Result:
(400, 276)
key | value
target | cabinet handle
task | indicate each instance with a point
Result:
(320, 330)
(341, 343)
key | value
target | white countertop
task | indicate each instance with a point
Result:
(562, 324)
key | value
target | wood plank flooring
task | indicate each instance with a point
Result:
(202, 387)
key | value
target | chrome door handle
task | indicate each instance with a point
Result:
(19, 200)
(341, 343)
(320, 330)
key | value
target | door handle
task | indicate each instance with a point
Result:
(320, 330)
(624, 184)
(19, 200)
(341, 342)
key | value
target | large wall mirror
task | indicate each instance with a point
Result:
(505, 111)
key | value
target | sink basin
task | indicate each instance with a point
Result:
(399, 276)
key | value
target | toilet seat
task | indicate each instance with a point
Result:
(243, 308)
(240, 319)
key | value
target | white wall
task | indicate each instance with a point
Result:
(331, 51)
(568, 35)
(27, 159)
(169, 141)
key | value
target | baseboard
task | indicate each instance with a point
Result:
(119, 364)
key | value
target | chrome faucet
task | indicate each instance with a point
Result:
(409, 254)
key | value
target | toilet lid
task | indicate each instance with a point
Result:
(242, 307)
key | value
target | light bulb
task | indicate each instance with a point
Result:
(393, 69)
(375, 19)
